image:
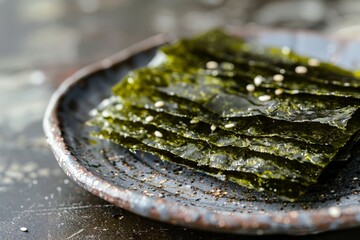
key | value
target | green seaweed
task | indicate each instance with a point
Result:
(142, 95)
(289, 190)
(186, 127)
(221, 47)
(265, 118)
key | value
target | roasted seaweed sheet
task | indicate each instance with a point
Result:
(267, 119)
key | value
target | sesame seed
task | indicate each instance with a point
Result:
(23, 229)
(214, 73)
(250, 87)
(264, 98)
(194, 121)
(93, 112)
(301, 70)
(213, 127)
(227, 66)
(285, 50)
(149, 118)
(158, 134)
(130, 80)
(258, 80)
(279, 91)
(105, 113)
(282, 71)
(229, 125)
(159, 104)
(119, 107)
(212, 65)
(252, 63)
(295, 91)
(314, 62)
(334, 212)
(278, 78)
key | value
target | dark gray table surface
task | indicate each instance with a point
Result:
(42, 42)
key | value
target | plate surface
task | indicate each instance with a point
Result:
(167, 192)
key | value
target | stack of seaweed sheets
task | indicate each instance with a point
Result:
(264, 118)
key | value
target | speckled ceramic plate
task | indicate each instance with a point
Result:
(167, 192)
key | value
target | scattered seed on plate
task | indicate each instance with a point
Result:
(211, 65)
(250, 87)
(314, 62)
(264, 98)
(23, 229)
(279, 91)
(158, 134)
(301, 70)
(258, 80)
(229, 125)
(334, 212)
(278, 78)
(159, 104)
(149, 118)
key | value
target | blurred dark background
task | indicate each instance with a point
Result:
(44, 41)
(42, 32)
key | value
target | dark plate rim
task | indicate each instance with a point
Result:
(292, 222)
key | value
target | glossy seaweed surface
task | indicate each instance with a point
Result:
(207, 103)
(141, 183)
